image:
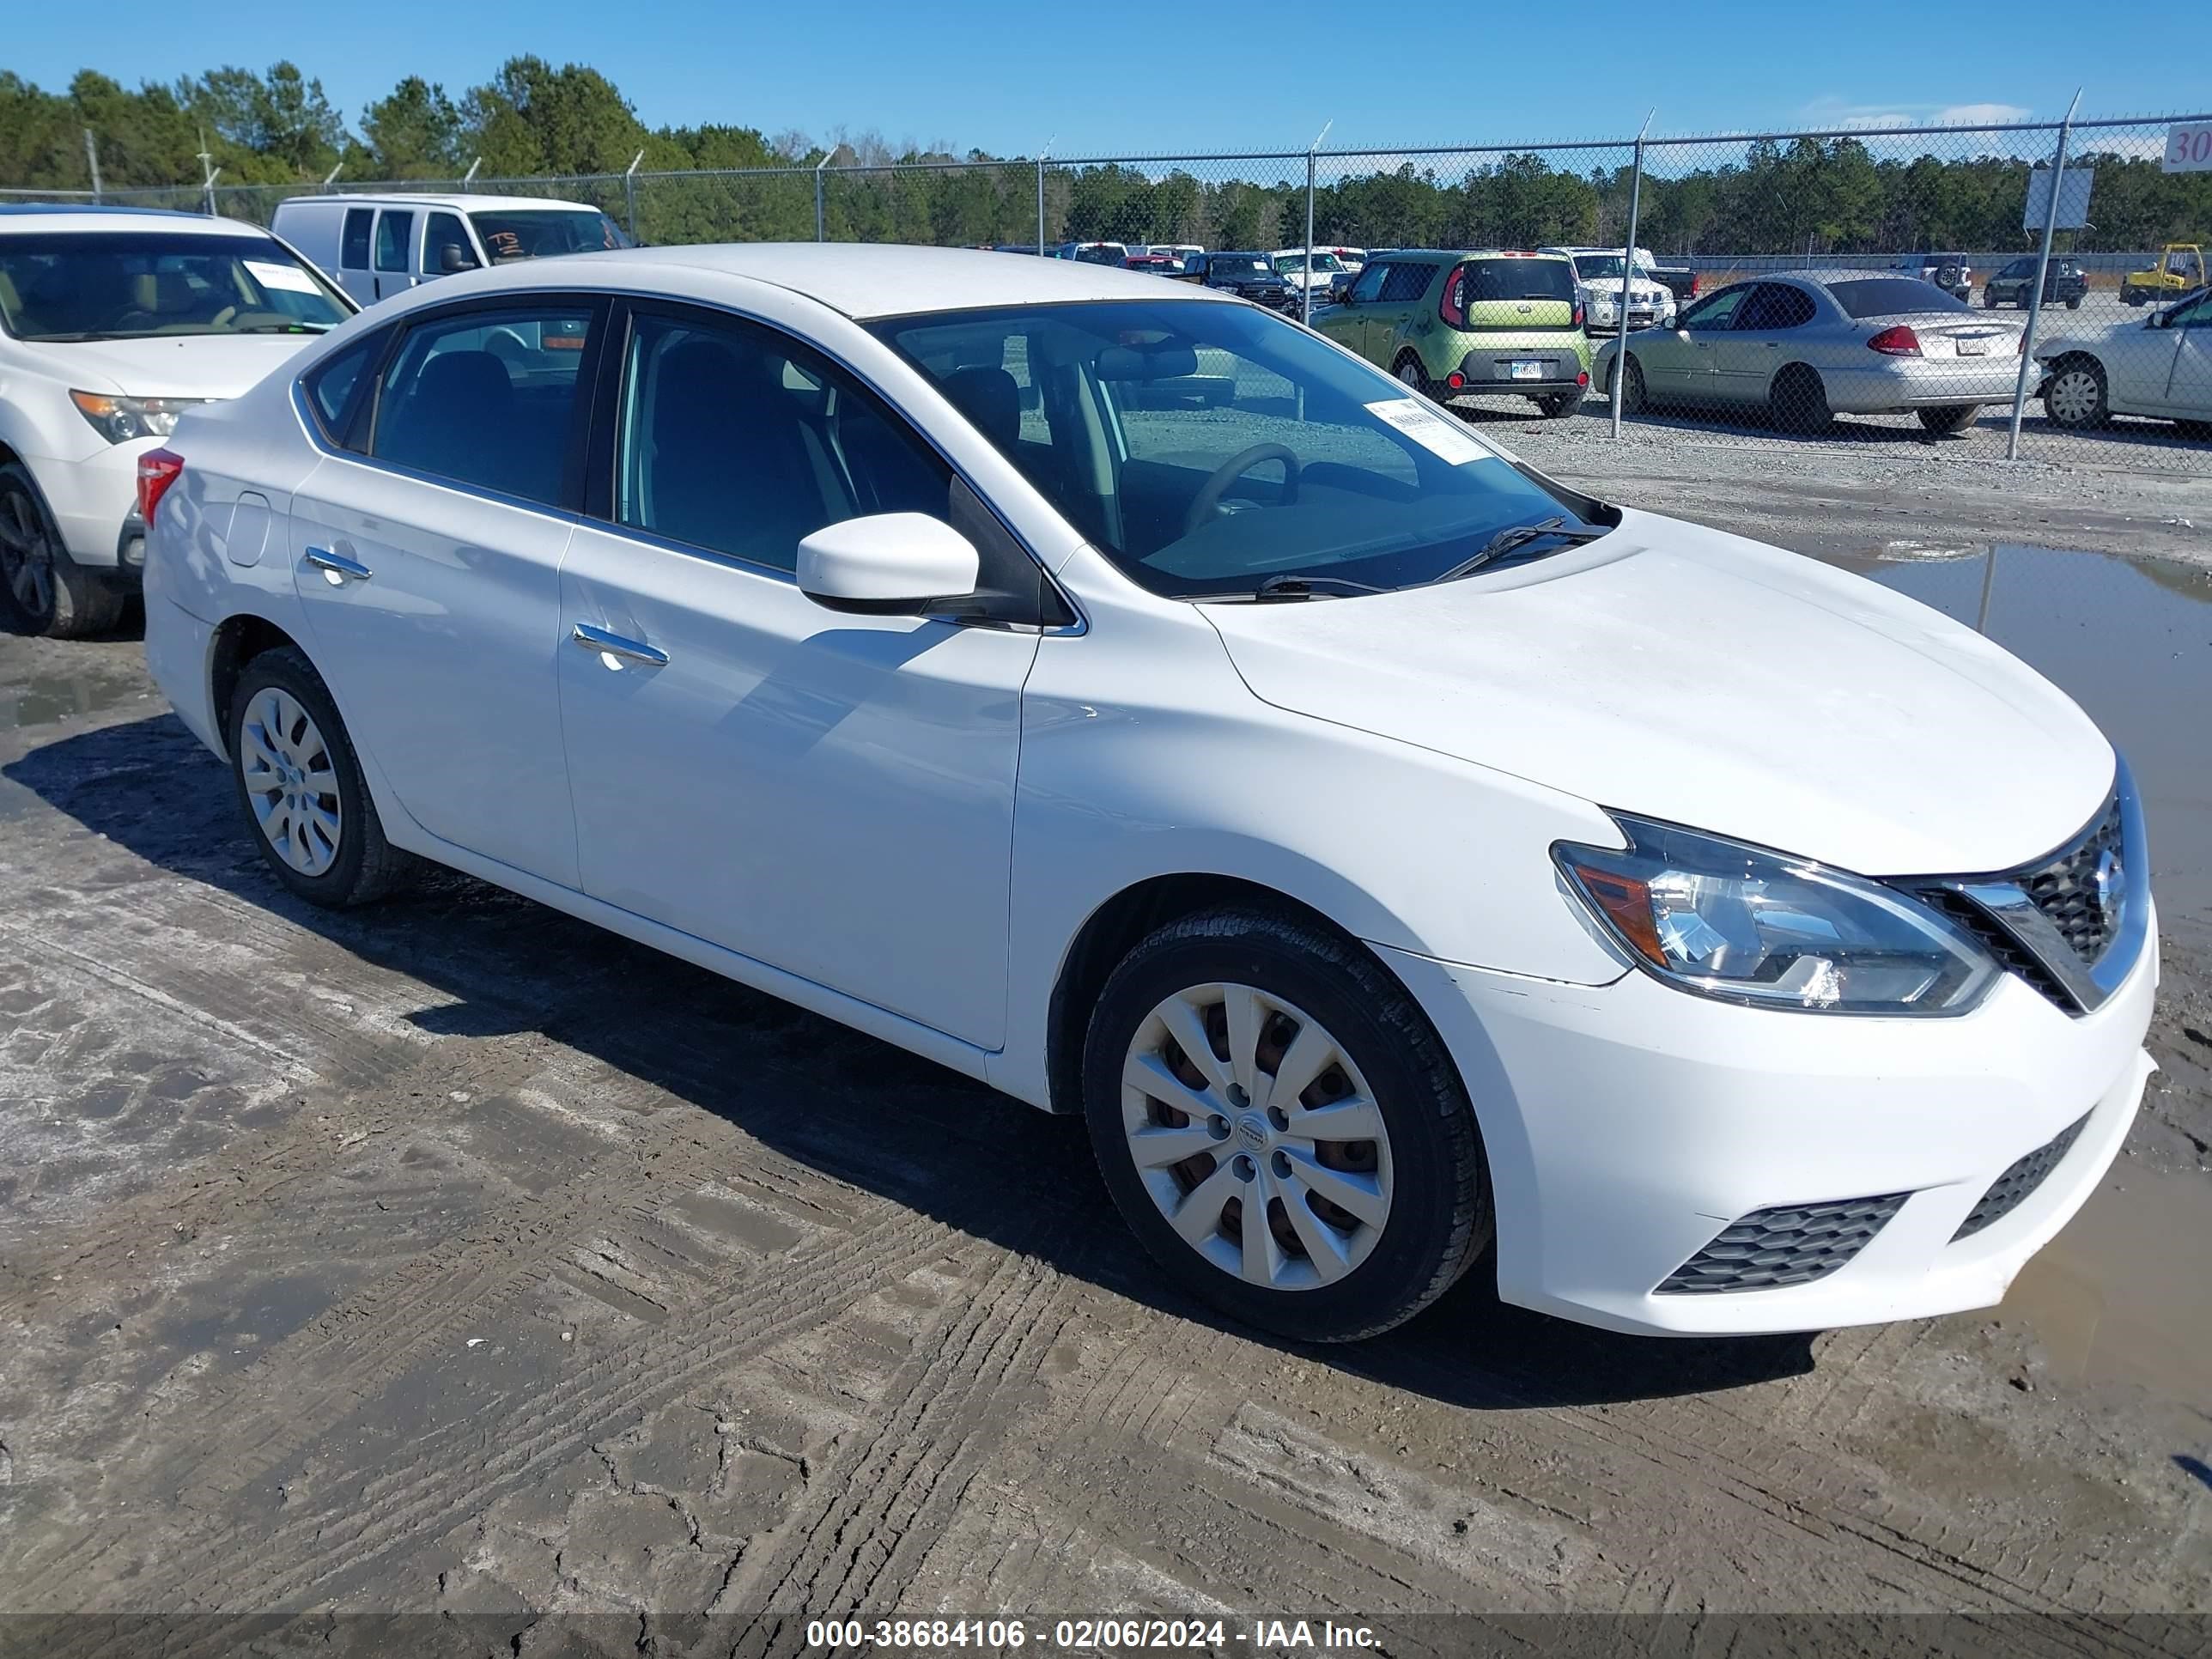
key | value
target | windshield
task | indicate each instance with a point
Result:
(1242, 263)
(1892, 296)
(512, 233)
(123, 285)
(1598, 266)
(1206, 448)
(1298, 262)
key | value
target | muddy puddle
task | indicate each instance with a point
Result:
(2130, 639)
(2122, 1294)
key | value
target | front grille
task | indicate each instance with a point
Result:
(2012, 956)
(2065, 889)
(1790, 1244)
(2010, 1190)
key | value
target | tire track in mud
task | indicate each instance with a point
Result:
(883, 1501)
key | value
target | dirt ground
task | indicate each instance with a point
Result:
(455, 1261)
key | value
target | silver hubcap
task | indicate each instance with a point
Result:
(1409, 374)
(291, 780)
(2074, 395)
(27, 558)
(1256, 1136)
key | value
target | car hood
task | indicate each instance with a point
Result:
(1683, 674)
(2053, 341)
(176, 366)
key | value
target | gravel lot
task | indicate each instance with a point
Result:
(453, 1258)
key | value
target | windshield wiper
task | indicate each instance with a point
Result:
(1276, 589)
(1515, 536)
(282, 328)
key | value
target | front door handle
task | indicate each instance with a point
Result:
(614, 644)
(337, 569)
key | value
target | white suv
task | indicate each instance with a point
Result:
(1597, 279)
(112, 321)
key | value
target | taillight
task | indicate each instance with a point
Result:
(1696, 285)
(157, 469)
(1450, 309)
(1897, 342)
(1577, 321)
(1583, 379)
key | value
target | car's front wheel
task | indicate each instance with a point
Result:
(50, 595)
(1281, 1127)
(300, 787)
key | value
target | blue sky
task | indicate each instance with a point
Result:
(1169, 75)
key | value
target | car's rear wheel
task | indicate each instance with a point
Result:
(2075, 397)
(1410, 372)
(1989, 298)
(49, 594)
(1955, 418)
(1281, 1127)
(2074, 304)
(300, 787)
(1558, 404)
(1799, 402)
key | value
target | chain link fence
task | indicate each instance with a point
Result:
(1862, 286)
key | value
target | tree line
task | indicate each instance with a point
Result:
(278, 131)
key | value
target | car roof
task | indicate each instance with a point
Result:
(863, 280)
(71, 215)
(460, 201)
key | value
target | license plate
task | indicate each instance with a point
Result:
(1970, 345)
(1526, 369)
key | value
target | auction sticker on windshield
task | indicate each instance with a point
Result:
(290, 277)
(1433, 432)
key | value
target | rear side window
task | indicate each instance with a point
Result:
(353, 253)
(391, 234)
(332, 383)
(1891, 296)
(1772, 305)
(486, 398)
(1405, 284)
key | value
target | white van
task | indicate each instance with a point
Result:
(374, 247)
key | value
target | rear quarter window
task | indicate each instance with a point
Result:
(333, 384)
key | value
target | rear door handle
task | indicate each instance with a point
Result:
(337, 569)
(614, 644)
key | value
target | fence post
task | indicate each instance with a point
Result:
(91, 161)
(630, 191)
(1628, 270)
(821, 217)
(1040, 170)
(2042, 275)
(1305, 295)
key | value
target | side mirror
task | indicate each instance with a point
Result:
(452, 257)
(1346, 299)
(891, 564)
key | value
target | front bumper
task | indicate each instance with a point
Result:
(92, 498)
(1627, 1125)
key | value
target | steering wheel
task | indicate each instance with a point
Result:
(1216, 485)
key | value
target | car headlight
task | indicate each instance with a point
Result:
(1725, 919)
(118, 420)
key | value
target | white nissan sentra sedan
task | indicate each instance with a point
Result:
(1385, 848)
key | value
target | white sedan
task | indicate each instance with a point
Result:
(2159, 366)
(1297, 786)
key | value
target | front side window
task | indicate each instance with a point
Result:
(1207, 449)
(353, 250)
(392, 231)
(512, 233)
(486, 398)
(1718, 311)
(444, 231)
(742, 442)
(1369, 288)
(123, 285)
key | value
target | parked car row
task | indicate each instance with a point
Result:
(1294, 782)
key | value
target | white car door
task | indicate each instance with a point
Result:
(429, 566)
(2138, 363)
(828, 793)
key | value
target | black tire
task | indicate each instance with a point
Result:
(45, 591)
(1799, 402)
(366, 866)
(2076, 413)
(1989, 298)
(2132, 296)
(1439, 1216)
(1953, 418)
(2074, 304)
(1633, 399)
(1559, 404)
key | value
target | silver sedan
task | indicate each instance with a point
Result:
(1810, 346)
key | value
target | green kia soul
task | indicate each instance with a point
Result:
(1452, 324)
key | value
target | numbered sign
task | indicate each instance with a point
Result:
(2188, 146)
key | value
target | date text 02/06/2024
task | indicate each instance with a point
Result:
(1292, 1636)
